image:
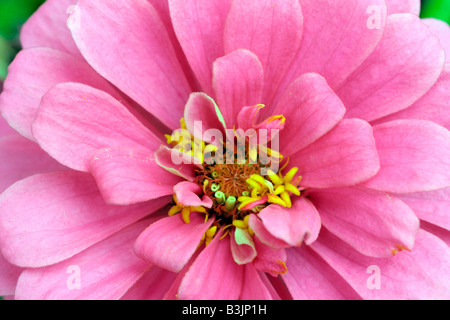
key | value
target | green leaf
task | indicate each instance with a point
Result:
(13, 13)
(439, 9)
(6, 54)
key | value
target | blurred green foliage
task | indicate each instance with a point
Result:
(13, 13)
(439, 9)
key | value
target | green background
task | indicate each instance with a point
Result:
(13, 13)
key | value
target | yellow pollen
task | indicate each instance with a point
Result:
(236, 189)
(209, 234)
(186, 210)
(278, 189)
(286, 198)
(240, 224)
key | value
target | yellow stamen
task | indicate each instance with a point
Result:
(185, 215)
(274, 154)
(279, 190)
(274, 177)
(198, 209)
(183, 123)
(280, 118)
(290, 175)
(291, 188)
(174, 210)
(226, 232)
(240, 224)
(211, 231)
(244, 199)
(253, 154)
(253, 184)
(255, 193)
(209, 234)
(287, 199)
(245, 203)
(258, 178)
(168, 138)
(205, 184)
(276, 200)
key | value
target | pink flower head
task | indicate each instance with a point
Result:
(143, 104)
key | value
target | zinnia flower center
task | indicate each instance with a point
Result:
(237, 185)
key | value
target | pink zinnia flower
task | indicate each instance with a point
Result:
(358, 89)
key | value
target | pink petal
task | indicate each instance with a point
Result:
(272, 261)
(238, 82)
(187, 194)
(242, 246)
(404, 66)
(403, 6)
(344, 156)
(185, 169)
(32, 74)
(433, 106)
(214, 275)
(202, 114)
(172, 293)
(419, 274)
(125, 176)
(288, 225)
(5, 128)
(432, 206)
(270, 283)
(47, 27)
(106, 271)
(153, 285)
(170, 242)
(50, 217)
(336, 38)
(440, 29)
(253, 288)
(21, 158)
(8, 277)
(199, 28)
(414, 156)
(374, 223)
(439, 232)
(306, 211)
(311, 278)
(75, 120)
(311, 109)
(270, 29)
(162, 7)
(281, 290)
(146, 67)
(264, 235)
(248, 119)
